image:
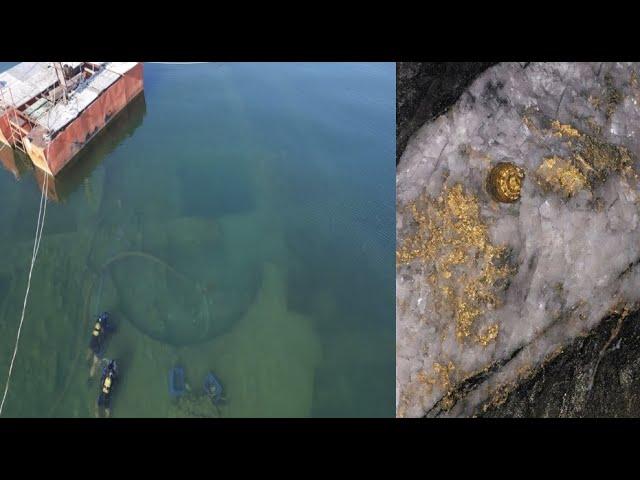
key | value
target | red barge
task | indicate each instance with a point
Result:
(51, 110)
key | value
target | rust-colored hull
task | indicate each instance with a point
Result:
(8, 160)
(5, 132)
(74, 175)
(68, 142)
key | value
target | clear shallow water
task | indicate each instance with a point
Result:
(238, 218)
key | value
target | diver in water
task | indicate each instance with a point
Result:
(109, 377)
(97, 342)
(213, 389)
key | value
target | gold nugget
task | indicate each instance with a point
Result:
(504, 182)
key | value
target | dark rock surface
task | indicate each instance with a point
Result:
(595, 376)
(426, 90)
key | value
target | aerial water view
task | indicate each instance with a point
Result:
(218, 244)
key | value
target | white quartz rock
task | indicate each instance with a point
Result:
(575, 259)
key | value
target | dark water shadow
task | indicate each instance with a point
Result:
(15, 161)
(344, 268)
(5, 283)
(213, 192)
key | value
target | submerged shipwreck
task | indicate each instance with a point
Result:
(51, 110)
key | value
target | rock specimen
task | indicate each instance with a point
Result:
(488, 290)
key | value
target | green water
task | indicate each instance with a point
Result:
(237, 218)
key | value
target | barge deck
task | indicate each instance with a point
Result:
(51, 110)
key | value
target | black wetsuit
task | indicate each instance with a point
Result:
(99, 333)
(106, 388)
(95, 344)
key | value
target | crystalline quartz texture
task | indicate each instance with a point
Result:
(555, 240)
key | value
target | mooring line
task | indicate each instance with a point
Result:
(36, 246)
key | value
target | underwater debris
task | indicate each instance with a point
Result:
(194, 405)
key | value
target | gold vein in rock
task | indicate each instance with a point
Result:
(559, 175)
(488, 335)
(563, 130)
(590, 161)
(463, 266)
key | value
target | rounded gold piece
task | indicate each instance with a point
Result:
(505, 181)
